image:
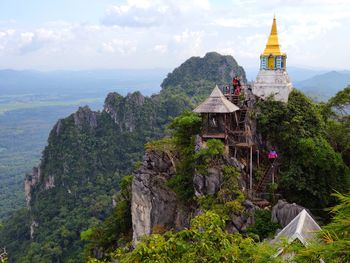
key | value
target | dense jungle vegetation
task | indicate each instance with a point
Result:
(91, 155)
(87, 160)
(298, 126)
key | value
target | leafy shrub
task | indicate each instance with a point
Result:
(333, 244)
(214, 149)
(183, 129)
(205, 241)
(115, 230)
(263, 226)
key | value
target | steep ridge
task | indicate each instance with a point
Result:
(72, 189)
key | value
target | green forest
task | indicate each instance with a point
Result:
(300, 123)
(79, 210)
(88, 162)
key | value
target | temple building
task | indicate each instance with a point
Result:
(227, 114)
(272, 79)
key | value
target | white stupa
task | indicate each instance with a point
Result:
(272, 79)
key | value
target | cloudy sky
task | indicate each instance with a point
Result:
(95, 34)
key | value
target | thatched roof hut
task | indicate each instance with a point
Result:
(216, 103)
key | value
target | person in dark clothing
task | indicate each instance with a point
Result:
(238, 81)
(246, 102)
(234, 84)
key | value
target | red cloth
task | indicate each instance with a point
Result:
(237, 91)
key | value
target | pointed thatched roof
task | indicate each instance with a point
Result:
(216, 103)
(303, 227)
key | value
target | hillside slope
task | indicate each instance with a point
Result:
(72, 189)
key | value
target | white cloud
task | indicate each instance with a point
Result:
(147, 13)
(163, 33)
(238, 22)
(162, 49)
(189, 37)
(7, 33)
(123, 47)
(189, 43)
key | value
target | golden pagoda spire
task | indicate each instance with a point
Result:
(272, 46)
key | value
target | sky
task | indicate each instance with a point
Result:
(140, 34)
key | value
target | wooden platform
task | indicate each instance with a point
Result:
(244, 144)
(214, 135)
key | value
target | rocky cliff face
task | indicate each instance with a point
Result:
(154, 205)
(284, 212)
(30, 181)
(210, 183)
(84, 117)
(126, 111)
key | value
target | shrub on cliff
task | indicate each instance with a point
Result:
(205, 241)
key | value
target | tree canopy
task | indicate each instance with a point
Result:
(311, 168)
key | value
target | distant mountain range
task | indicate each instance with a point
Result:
(295, 73)
(324, 86)
(319, 84)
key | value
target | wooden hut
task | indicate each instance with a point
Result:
(219, 116)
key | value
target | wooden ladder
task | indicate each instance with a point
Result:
(242, 119)
(266, 179)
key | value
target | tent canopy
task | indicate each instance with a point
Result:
(303, 227)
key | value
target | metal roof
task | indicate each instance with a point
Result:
(303, 227)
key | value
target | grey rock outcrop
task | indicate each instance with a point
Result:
(34, 179)
(30, 181)
(85, 117)
(284, 212)
(50, 182)
(154, 205)
(58, 127)
(125, 111)
(240, 221)
(33, 226)
(210, 183)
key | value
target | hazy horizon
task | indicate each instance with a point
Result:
(145, 34)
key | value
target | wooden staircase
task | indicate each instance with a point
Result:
(235, 100)
(267, 178)
(242, 119)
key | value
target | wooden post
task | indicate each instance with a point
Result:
(225, 128)
(251, 169)
(258, 157)
(207, 129)
(236, 118)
